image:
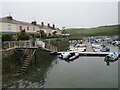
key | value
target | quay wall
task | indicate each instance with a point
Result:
(62, 44)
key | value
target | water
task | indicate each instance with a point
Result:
(84, 72)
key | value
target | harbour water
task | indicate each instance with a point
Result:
(84, 72)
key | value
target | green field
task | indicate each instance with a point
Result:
(102, 30)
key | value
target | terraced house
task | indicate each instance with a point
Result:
(48, 29)
(10, 25)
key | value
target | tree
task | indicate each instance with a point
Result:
(49, 34)
(64, 32)
(54, 33)
(43, 35)
(22, 35)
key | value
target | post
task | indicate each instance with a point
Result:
(19, 44)
(35, 55)
(25, 44)
(14, 44)
(29, 43)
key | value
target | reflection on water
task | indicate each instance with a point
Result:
(70, 61)
(107, 61)
(37, 73)
(84, 72)
(110, 61)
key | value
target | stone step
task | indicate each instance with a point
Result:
(27, 58)
(22, 70)
(24, 67)
(26, 61)
(25, 64)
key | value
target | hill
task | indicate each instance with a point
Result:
(102, 30)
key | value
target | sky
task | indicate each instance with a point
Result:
(64, 14)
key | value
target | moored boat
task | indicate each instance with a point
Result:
(112, 56)
(106, 49)
(79, 47)
(96, 49)
(69, 55)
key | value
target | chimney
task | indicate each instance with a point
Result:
(9, 18)
(53, 26)
(48, 24)
(34, 22)
(42, 23)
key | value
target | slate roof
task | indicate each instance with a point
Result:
(44, 27)
(13, 21)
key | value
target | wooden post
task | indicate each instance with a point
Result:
(14, 44)
(29, 43)
(35, 55)
(18, 44)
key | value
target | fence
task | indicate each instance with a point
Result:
(28, 44)
(17, 44)
(50, 47)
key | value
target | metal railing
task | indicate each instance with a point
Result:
(17, 44)
(50, 47)
(27, 44)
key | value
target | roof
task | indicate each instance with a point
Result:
(13, 21)
(44, 27)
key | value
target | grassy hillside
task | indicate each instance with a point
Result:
(103, 30)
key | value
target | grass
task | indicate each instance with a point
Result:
(103, 30)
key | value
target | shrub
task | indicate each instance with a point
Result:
(37, 35)
(22, 35)
(6, 37)
(54, 33)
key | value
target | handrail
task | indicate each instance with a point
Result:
(26, 44)
(24, 54)
(33, 53)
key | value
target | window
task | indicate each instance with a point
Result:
(27, 28)
(20, 27)
(9, 26)
(33, 29)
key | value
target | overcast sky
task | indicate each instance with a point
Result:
(67, 14)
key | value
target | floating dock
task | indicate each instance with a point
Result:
(89, 47)
(88, 53)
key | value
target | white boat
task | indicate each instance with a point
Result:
(106, 49)
(69, 55)
(96, 49)
(96, 45)
(81, 47)
(112, 56)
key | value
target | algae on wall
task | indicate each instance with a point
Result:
(10, 65)
(61, 43)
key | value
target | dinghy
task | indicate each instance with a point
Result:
(112, 56)
(69, 55)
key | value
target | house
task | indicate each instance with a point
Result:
(49, 29)
(59, 32)
(10, 25)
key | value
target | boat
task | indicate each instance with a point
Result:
(96, 49)
(79, 47)
(112, 56)
(105, 49)
(69, 55)
(97, 45)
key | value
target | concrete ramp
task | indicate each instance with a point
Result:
(89, 47)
